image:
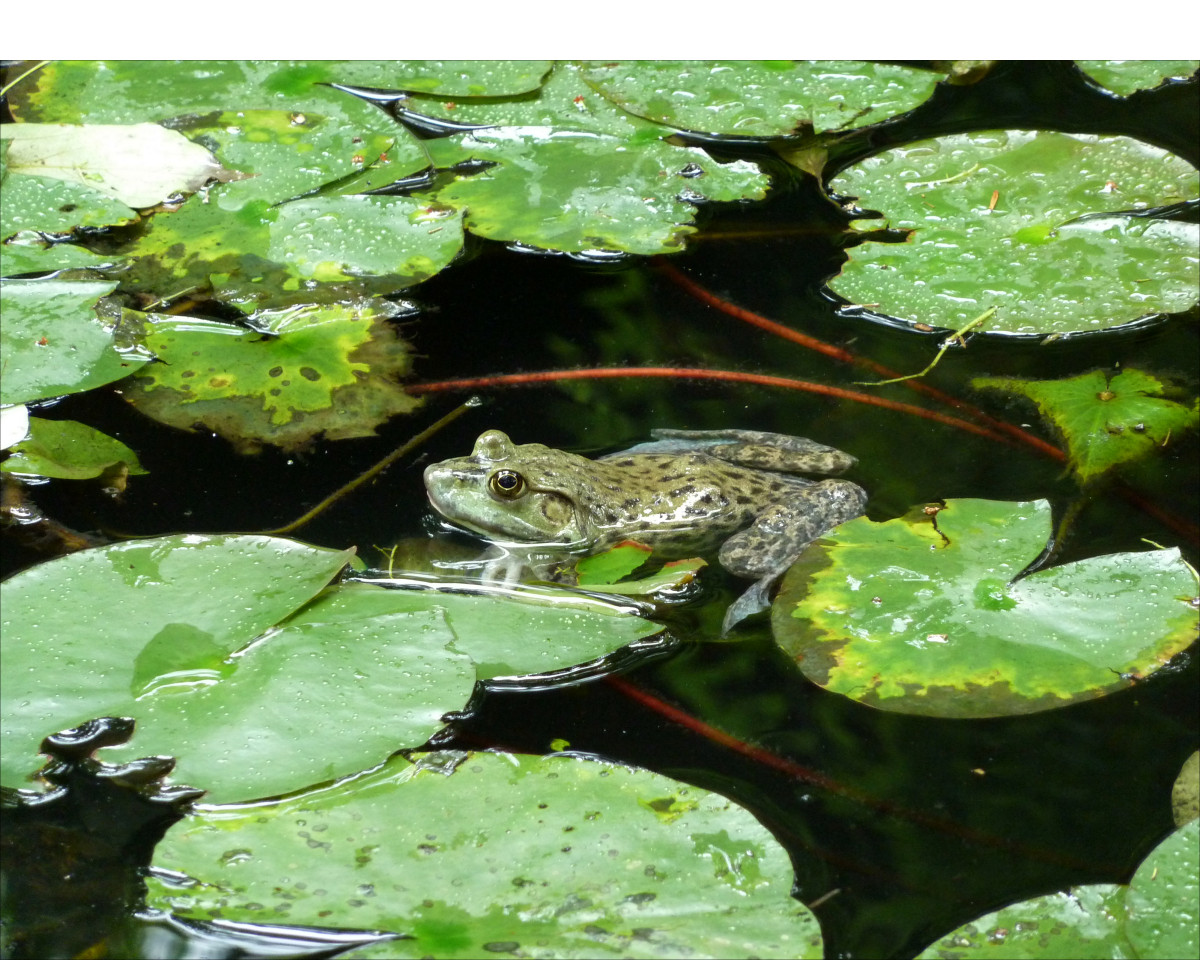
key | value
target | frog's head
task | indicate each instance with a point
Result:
(508, 492)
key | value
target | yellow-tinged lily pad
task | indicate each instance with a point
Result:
(332, 370)
(1106, 419)
(922, 614)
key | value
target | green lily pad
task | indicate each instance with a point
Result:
(316, 250)
(140, 164)
(607, 571)
(612, 565)
(551, 856)
(1107, 420)
(154, 629)
(36, 204)
(563, 102)
(201, 640)
(132, 91)
(332, 370)
(1124, 77)
(284, 153)
(761, 98)
(581, 192)
(995, 223)
(68, 450)
(1154, 916)
(921, 618)
(37, 256)
(52, 341)
(446, 78)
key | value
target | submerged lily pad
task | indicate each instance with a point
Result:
(332, 370)
(922, 614)
(68, 450)
(527, 856)
(1124, 77)
(1154, 916)
(1107, 420)
(201, 640)
(761, 98)
(580, 192)
(995, 222)
(53, 342)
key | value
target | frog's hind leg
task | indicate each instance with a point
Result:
(781, 532)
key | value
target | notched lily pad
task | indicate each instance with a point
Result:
(922, 614)
(1028, 222)
(68, 450)
(583, 192)
(332, 371)
(538, 856)
(1107, 419)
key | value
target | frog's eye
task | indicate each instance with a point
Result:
(507, 484)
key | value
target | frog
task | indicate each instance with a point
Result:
(684, 493)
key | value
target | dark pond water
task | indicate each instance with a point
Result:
(1076, 795)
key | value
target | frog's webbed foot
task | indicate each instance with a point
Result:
(756, 599)
(755, 448)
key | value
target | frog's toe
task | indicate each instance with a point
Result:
(756, 599)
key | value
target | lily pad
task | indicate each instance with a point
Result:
(761, 98)
(315, 250)
(53, 342)
(1154, 916)
(551, 856)
(1124, 77)
(922, 614)
(445, 78)
(332, 370)
(31, 255)
(140, 164)
(145, 629)
(563, 102)
(580, 192)
(68, 450)
(995, 221)
(282, 154)
(35, 204)
(1107, 420)
(200, 639)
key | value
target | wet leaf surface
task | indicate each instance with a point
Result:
(915, 618)
(554, 856)
(995, 223)
(53, 341)
(761, 98)
(68, 450)
(1124, 77)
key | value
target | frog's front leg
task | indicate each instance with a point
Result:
(781, 532)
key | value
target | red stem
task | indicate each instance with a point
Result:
(761, 379)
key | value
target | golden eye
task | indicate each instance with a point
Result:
(507, 484)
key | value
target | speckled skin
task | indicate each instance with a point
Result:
(686, 500)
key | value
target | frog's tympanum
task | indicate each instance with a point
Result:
(684, 494)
